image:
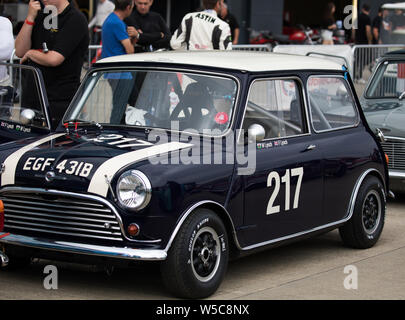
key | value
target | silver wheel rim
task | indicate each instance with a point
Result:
(205, 254)
(371, 212)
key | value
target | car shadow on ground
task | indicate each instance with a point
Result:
(399, 199)
(143, 281)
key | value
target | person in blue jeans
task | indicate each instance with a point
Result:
(118, 39)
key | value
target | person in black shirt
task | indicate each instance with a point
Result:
(376, 27)
(153, 31)
(57, 50)
(233, 23)
(398, 20)
(363, 35)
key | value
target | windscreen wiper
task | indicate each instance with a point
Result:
(402, 96)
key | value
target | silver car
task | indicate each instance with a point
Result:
(383, 103)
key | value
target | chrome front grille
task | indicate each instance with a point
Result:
(64, 215)
(395, 149)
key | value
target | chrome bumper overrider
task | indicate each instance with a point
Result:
(81, 248)
(396, 174)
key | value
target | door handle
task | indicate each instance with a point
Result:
(310, 147)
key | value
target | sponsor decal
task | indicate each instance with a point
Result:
(16, 127)
(271, 144)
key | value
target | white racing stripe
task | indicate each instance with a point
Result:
(98, 183)
(11, 162)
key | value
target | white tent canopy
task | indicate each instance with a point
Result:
(393, 6)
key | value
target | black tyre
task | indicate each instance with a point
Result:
(198, 257)
(364, 228)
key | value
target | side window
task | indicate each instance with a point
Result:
(331, 103)
(19, 96)
(277, 106)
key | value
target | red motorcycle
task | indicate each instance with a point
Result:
(299, 35)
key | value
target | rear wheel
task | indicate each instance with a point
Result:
(198, 258)
(365, 227)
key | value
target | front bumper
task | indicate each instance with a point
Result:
(84, 249)
(397, 180)
(396, 174)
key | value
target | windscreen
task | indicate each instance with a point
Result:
(156, 99)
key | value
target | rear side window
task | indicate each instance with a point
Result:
(331, 104)
(277, 106)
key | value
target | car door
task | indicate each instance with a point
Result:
(283, 196)
(344, 141)
(23, 103)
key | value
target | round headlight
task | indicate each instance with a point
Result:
(134, 190)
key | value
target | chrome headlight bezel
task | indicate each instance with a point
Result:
(143, 181)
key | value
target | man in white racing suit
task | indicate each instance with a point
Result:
(203, 30)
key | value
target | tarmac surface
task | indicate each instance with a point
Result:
(310, 269)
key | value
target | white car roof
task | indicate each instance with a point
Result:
(393, 6)
(237, 60)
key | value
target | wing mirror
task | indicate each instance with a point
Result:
(256, 133)
(380, 135)
(27, 116)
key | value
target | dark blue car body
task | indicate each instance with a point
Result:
(335, 164)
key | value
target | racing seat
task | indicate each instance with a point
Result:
(295, 112)
(194, 108)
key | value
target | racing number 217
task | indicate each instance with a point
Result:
(286, 179)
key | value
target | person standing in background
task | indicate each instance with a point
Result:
(386, 28)
(118, 39)
(398, 20)
(153, 33)
(233, 23)
(376, 27)
(6, 47)
(363, 34)
(203, 30)
(57, 52)
(104, 8)
(328, 24)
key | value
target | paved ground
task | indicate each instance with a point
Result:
(312, 269)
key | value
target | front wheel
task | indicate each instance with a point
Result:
(365, 227)
(198, 258)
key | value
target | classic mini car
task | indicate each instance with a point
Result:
(383, 104)
(190, 159)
